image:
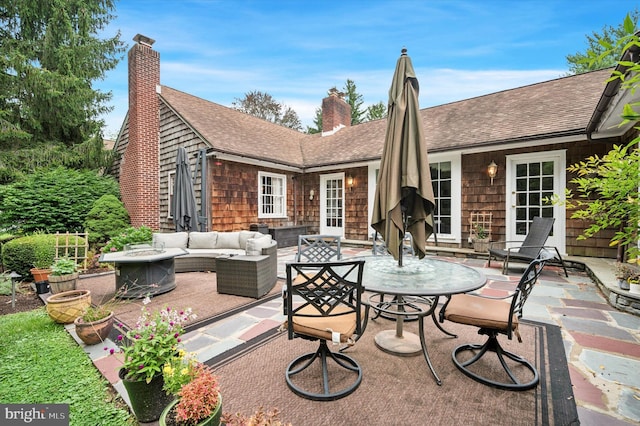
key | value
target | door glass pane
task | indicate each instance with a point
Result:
(534, 181)
(333, 212)
(441, 181)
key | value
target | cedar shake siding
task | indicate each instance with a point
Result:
(543, 117)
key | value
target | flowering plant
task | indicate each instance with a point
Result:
(179, 371)
(153, 341)
(199, 397)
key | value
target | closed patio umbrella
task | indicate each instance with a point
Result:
(183, 206)
(404, 198)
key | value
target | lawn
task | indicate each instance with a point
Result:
(41, 363)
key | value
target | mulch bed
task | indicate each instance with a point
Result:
(26, 300)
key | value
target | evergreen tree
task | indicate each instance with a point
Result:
(376, 111)
(354, 99)
(317, 122)
(50, 53)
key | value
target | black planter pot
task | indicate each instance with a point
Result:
(42, 287)
(148, 400)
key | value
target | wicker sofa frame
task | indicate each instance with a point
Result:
(237, 273)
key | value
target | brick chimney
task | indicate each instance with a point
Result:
(336, 113)
(140, 166)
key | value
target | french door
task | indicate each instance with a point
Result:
(332, 204)
(531, 178)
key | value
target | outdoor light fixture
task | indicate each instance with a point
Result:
(311, 194)
(216, 161)
(350, 182)
(492, 170)
(14, 277)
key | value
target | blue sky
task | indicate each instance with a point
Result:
(297, 50)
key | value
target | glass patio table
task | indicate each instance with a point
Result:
(415, 288)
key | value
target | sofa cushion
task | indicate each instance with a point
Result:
(171, 239)
(191, 253)
(245, 235)
(255, 245)
(203, 240)
(228, 240)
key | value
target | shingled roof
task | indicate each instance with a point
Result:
(560, 107)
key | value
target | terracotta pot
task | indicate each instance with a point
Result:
(212, 420)
(147, 399)
(40, 274)
(94, 332)
(60, 283)
(65, 307)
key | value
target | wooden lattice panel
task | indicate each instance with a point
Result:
(73, 245)
(480, 219)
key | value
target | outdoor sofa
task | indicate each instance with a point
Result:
(246, 262)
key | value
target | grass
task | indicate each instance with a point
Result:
(5, 285)
(41, 363)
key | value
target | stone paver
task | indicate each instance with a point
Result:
(601, 343)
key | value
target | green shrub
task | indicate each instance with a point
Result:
(55, 200)
(107, 219)
(37, 250)
(22, 254)
(131, 235)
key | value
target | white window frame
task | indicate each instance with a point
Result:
(282, 197)
(456, 195)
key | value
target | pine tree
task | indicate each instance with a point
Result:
(50, 53)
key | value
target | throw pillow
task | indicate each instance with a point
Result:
(228, 240)
(245, 235)
(203, 240)
(171, 239)
(255, 245)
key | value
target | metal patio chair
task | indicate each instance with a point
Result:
(494, 317)
(324, 303)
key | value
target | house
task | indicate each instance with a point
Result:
(251, 171)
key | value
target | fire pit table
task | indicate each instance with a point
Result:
(143, 270)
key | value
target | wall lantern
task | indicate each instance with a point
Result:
(492, 170)
(311, 194)
(350, 182)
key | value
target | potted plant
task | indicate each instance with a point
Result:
(64, 275)
(196, 391)
(480, 239)
(95, 324)
(42, 263)
(151, 344)
(623, 272)
(633, 279)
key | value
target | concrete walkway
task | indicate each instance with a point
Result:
(602, 344)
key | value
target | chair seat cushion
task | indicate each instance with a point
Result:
(320, 327)
(480, 312)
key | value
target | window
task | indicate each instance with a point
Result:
(441, 181)
(446, 178)
(272, 195)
